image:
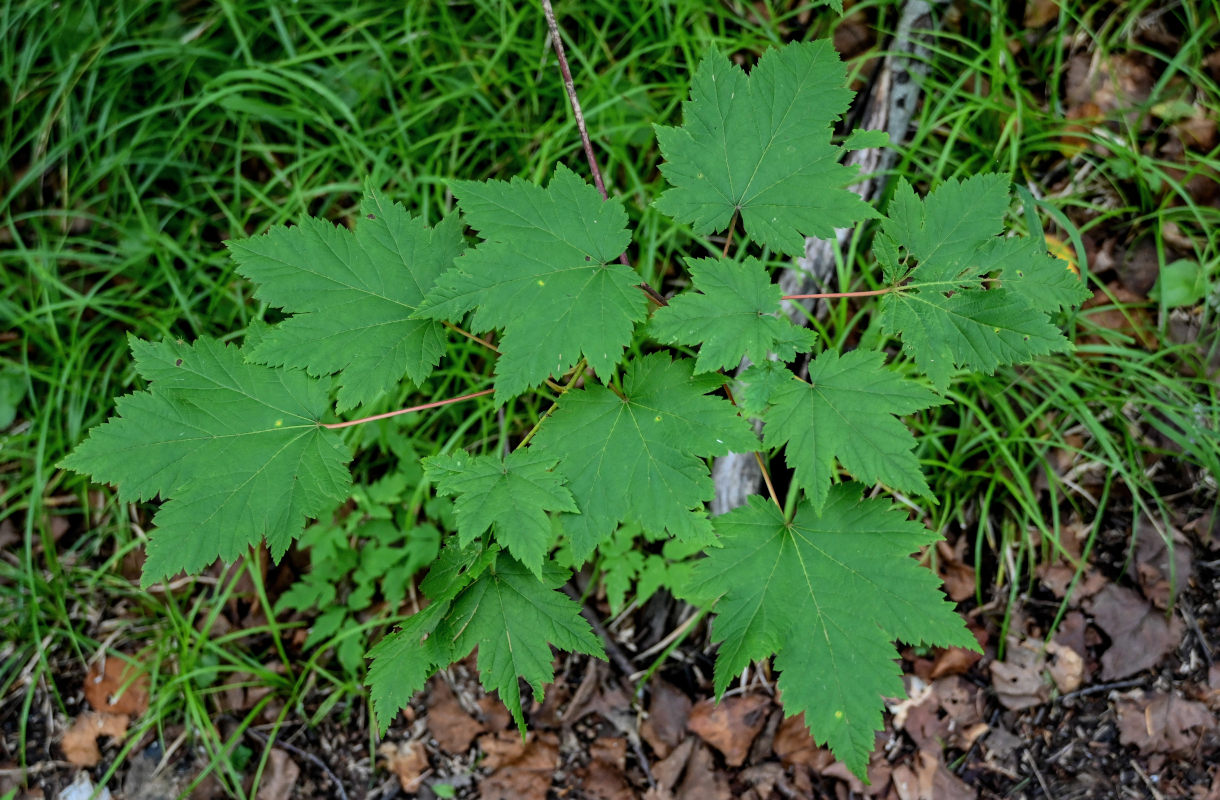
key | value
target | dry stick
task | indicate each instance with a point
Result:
(570, 86)
(342, 793)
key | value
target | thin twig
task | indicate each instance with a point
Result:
(1147, 782)
(1104, 687)
(615, 653)
(319, 763)
(574, 101)
(336, 425)
(1038, 774)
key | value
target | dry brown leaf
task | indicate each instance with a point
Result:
(958, 576)
(942, 784)
(495, 715)
(449, 724)
(1066, 667)
(954, 661)
(669, 769)
(668, 711)
(280, 777)
(1018, 678)
(521, 770)
(407, 760)
(1140, 635)
(794, 744)
(731, 725)
(602, 778)
(116, 686)
(1040, 12)
(80, 741)
(1162, 723)
(703, 781)
(1131, 320)
(960, 701)
(1157, 570)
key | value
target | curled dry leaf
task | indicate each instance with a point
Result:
(520, 770)
(1140, 635)
(1066, 667)
(117, 686)
(407, 760)
(80, 741)
(731, 725)
(1018, 679)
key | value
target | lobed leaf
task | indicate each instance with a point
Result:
(640, 456)
(964, 297)
(734, 311)
(352, 296)
(510, 496)
(826, 593)
(760, 146)
(235, 449)
(848, 410)
(547, 273)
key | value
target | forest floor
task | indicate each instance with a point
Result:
(1083, 551)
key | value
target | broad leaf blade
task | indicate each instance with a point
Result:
(352, 295)
(547, 273)
(734, 311)
(964, 297)
(761, 146)
(404, 660)
(514, 617)
(826, 593)
(235, 448)
(511, 496)
(641, 456)
(848, 410)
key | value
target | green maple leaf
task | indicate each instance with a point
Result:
(826, 594)
(404, 660)
(352, 295)
(963, 296)
(848, 410)
(235, 449)
(734, 312)
(547, 273)
(510, 496)
(760, 146)
(641, 455)
(514, 617)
